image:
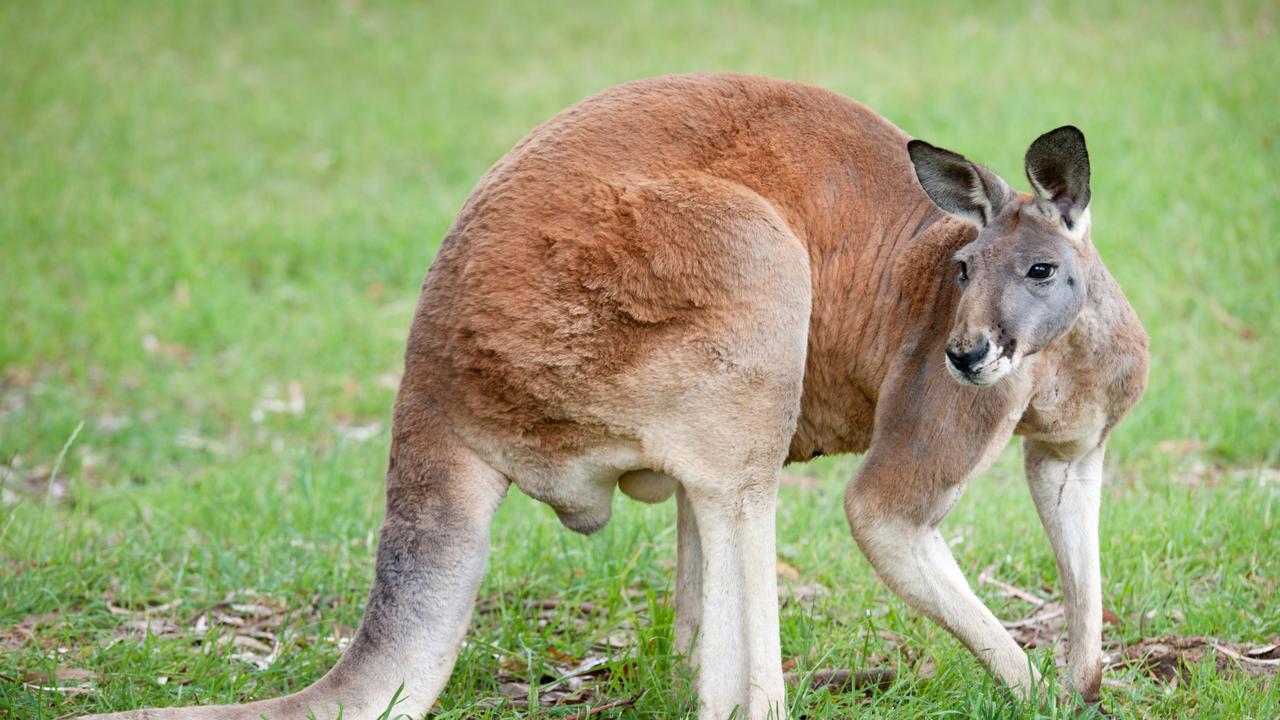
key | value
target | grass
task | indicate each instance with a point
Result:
(207, 208)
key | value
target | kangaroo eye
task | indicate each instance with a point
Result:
(964, 270)
(1042, 271)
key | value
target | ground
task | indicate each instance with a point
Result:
(214, 221)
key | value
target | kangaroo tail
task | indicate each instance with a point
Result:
(431, 558)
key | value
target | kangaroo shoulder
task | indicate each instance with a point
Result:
(1092, 376)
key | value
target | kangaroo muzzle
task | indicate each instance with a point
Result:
(979, 361)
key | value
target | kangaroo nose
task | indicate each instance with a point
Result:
(964, 361)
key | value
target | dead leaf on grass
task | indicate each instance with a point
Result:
(250, 626)
(844, 681)
(64, 689)
(615, 641)
(1039, 629)
(142, 612)
(64, 680)
(613, 705)
(514, 690)
(1169, 657)
(63, 675)
(158, 627)
(251, 643)
(1264, 651)
(557, 678)
(145, 619)
(36, 482)
(560, 683)
(25, 631)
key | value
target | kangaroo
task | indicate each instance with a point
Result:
(680, 284)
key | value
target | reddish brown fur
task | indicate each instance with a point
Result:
(555, 276)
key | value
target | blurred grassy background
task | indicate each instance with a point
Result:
(215, 217)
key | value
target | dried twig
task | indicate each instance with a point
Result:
(843, 680)
(1243, 658)
(625, 702)
(988, 577)
(584, 608)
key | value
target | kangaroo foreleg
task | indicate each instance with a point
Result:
(1067, 490)
(901, 539)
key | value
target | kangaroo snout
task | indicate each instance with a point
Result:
(979, 361)
(964, 361)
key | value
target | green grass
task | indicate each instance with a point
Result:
(259, 188)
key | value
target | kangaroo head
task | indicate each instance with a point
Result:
(1025, 276)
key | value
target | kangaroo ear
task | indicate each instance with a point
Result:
(956, 185)
(1058, 168)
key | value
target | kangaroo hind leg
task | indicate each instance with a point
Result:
(432, 552)
(730, 600)
(715, 407)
